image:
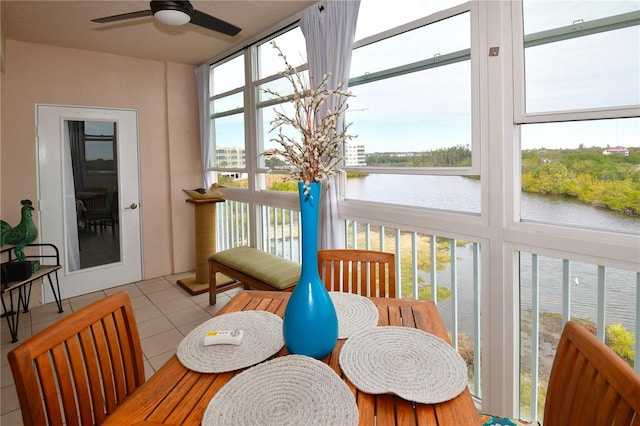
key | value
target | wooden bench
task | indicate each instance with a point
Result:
(252, 268)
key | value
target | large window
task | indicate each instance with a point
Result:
(412, 111)
(580, 135)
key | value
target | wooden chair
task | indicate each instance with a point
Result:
(113, 215)
(589, 385)
(96, 210)
(365, 272)
(76, 371)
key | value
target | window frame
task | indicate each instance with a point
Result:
(522, 41)
(459, 56)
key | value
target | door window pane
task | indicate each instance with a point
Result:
(96, 239)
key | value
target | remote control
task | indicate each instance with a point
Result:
(223, 337)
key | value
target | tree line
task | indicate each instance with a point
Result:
(609, 181)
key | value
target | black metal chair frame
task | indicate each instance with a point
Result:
(23, 288)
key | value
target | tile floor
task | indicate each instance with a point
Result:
(165, 313)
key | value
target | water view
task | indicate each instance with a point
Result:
(463, 194)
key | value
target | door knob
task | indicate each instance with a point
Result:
(132, 206)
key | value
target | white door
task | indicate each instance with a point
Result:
(89, 195)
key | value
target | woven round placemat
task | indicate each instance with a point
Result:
(262, 339)
(408, 362)
(290, 390)
(355, 313)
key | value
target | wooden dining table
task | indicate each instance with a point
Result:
(175, 395)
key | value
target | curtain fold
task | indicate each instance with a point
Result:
(76, 141)
(329, 32)
(202, 85)
(71, 146)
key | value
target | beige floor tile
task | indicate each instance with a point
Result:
(159, 360)
(153, 285)
(188, 315)
(131, 289)
(148, 370)
(161, 342)
(9, 399)
(6, 378)
(13, 418)
(48, 312)
(80, 302)
(141, 301)
(172, 305)
(146, 313)
(154, 326)
(167, 295)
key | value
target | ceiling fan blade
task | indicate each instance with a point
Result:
(207, 21)
(123, 16)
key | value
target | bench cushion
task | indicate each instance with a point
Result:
(266, 267)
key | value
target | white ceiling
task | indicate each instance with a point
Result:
(68, 24)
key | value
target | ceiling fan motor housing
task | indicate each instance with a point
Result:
(172, 12)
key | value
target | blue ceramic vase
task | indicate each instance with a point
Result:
(310, 324)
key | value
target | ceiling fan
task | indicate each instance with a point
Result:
(176, 13)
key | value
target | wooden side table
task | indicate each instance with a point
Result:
(205, 229)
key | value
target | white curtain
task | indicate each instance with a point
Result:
(69, 208)
(202, 84)
(329, 31)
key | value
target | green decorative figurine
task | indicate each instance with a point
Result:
(24, 233)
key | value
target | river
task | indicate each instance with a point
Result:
(463, 194)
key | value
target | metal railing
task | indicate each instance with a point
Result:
(553, 291)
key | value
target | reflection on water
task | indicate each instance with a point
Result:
(438, 192)
(569, 211)
(459, 193)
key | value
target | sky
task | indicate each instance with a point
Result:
(599, 70)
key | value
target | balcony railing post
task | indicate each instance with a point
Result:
(566, 291)
(535, 320)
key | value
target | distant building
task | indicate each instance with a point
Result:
(230, 156)
(616, 151)
(354, 155)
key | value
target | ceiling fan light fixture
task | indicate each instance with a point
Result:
(172, 17)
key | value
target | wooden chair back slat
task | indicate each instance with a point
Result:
(49, 391)
(106, 383)
(127, 355)
(87, 363)
(65, 383)
(589, 384)
(92, 372)
(364, 272)
(78, 371)
(118, 371)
